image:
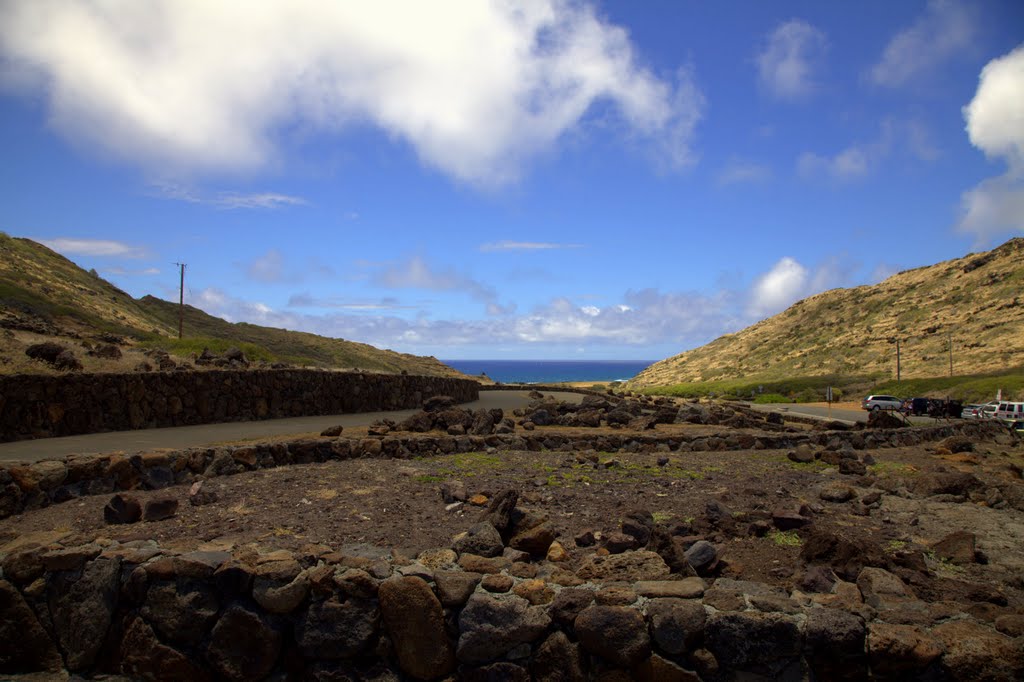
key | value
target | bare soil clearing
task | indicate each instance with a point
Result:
(727, 497)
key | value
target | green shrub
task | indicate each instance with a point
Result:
(768, 398)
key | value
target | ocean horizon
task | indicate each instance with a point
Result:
(551, 371)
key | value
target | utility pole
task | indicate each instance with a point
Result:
(897, 361)
(949, 338)
(181, 299)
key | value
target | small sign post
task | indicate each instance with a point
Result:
(828, 397)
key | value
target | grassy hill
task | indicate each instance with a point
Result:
(973, 305)
(44, 294)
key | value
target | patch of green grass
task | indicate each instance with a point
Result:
(429, 478)
(661, 516)
(196, 344)
(895, 545)
(769, 398)
(788, 538)
(885, 469)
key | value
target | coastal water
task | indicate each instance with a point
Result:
(551, 371)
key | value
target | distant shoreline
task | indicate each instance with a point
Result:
(549, 372)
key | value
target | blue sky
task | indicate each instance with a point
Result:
(621, 180)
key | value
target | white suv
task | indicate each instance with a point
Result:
(881, 402)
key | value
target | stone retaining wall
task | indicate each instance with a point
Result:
(366, 613)
(25, 486)
(46, 406)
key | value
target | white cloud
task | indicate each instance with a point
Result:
(946, 28)
(130, 273)
(93, 247)
(776, 289)
(995, 125)
(416, 273)
(508, 245)
(477, 88)
(739, 171)
(226, 200)
(787, 63)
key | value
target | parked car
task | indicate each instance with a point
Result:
(881, 402)
(970, 411)
(916, 406)
(1018, 426)
(1009, 411)
(988, 410)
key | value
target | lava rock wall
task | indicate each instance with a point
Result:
(47, 406)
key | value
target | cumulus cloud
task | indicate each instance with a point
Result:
(267, 268)
(476, 88)
(784, 284)
(789, 58)
(848, 164)
(909, 137)
(946, 28)
(995, 125)
(508, 245)
(93, 247)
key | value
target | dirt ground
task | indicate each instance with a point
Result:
(399, 504)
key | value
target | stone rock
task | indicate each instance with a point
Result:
(332, 630)
(82, 610)
(481, 539)
(803, 454)
(479, 564)
(852, 467)
(489, 627)
(789, 517)
(615, 633)
(1011, 624)
(882, 589)
(901, 649)
(497, 583)
(846, 555)
(638, 524)
(687, 588)
(557, 660)
(615, 595)
(69, 558)
(947, 483)
(556, 553)
(455, 587)
(26, 646)
(628, 567)
(277, 595)
(420, 422)
(818, 579)
(160, 508)
(200, 494)
(568, 604)
(23, 566)
(534, 591)
(438, 403)
(974, 651)
(181, 611)
(702, 556)
(676, 625)
(122, 508)
(617, 543)
(499, 511)
(958, 547)
(435, 559)
(746, 639)
(243, 645)
(454, 491)
(834, 644)
(332, 431)
(836, 492)
(585, 539)
(143, 656)
(534, 540)
(658, 669)
(415, 622)
(672, 550)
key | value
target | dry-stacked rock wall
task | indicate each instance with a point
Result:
(46, 406)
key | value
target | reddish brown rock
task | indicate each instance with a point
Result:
(414, 619)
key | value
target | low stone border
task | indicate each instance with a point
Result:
(26, 486)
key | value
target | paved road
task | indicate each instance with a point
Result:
(210, 434)
(820, 412)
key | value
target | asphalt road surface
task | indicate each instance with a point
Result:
(178, 437)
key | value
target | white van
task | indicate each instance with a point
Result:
(1010, 411)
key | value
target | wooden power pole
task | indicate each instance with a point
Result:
(181, 299)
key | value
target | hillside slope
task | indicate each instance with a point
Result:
(43, 294)
(975, 302)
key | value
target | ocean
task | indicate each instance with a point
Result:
(551, 371)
